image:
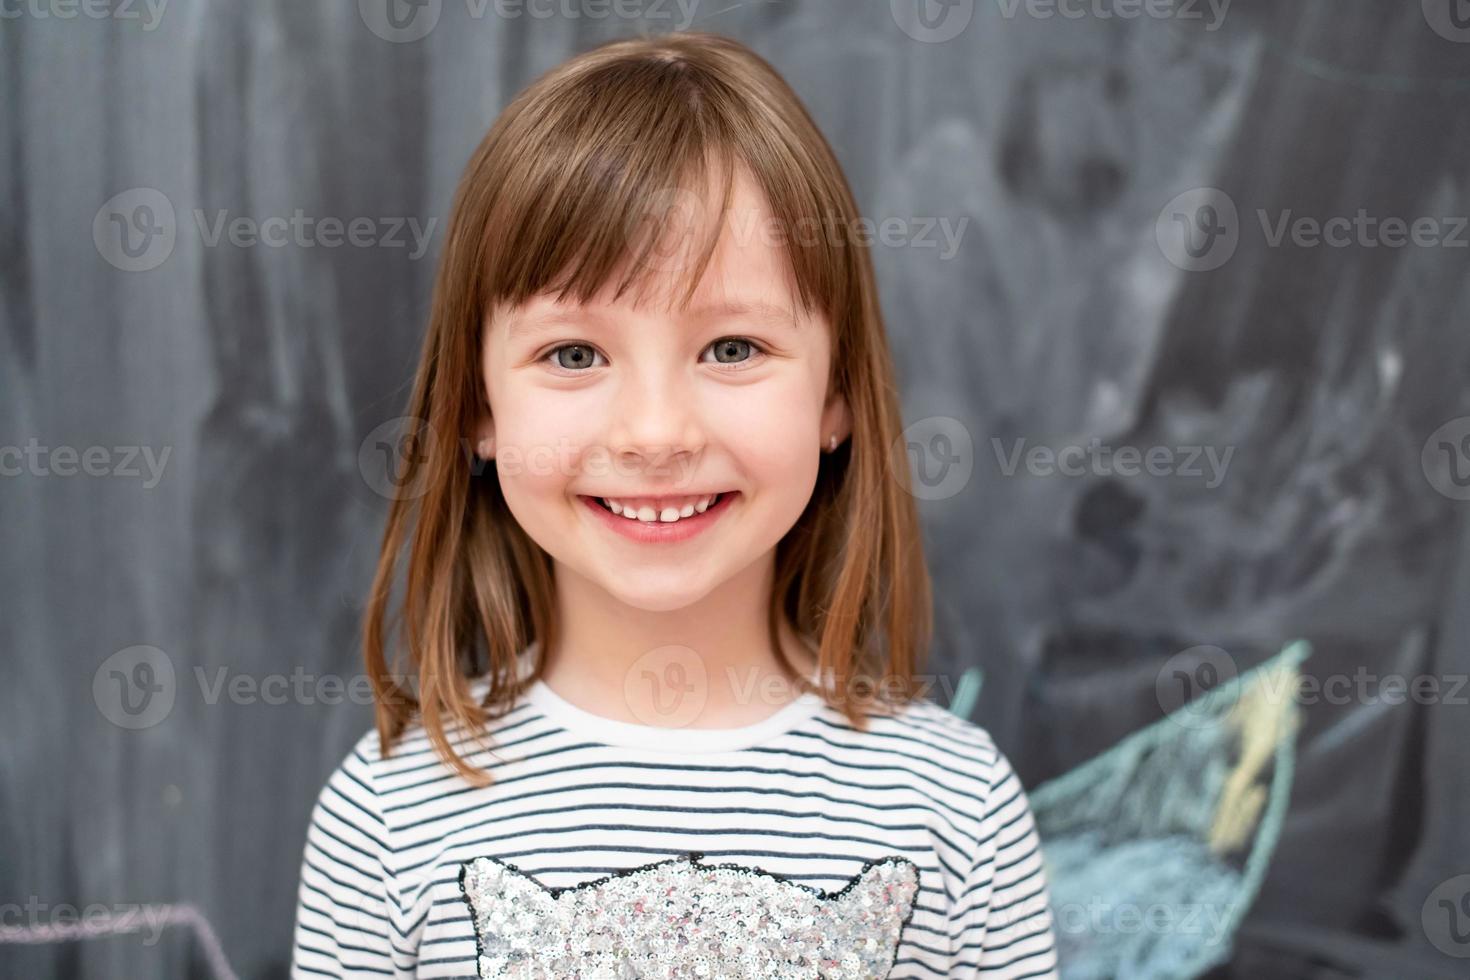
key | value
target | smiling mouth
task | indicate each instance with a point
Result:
(668, 515)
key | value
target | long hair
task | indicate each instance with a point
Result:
(548, 202)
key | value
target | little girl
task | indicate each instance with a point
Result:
(663, 607)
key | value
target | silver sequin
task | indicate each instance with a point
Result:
(683, 918)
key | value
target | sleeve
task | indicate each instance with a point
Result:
(1002, 918)
(343, 928)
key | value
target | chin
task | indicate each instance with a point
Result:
(657, 598)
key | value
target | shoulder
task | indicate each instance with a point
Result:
(411, 754)
(352, 785)
(997, 807)
(940, 742)
(944, 733)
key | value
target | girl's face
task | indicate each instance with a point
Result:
(658, 409)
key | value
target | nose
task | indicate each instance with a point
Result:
(654, 417)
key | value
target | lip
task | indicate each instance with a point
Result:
(657, 532)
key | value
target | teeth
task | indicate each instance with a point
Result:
(667, 515)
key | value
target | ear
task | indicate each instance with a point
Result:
(485, 436)
(836, 420)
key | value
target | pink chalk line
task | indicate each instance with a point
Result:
(130, 921)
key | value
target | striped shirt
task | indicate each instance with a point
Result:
(800, 799)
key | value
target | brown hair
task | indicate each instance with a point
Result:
(593, 145)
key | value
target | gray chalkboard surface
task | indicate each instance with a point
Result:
(187, 518)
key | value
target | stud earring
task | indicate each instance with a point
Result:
(832, 443)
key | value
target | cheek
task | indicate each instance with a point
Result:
(774, 436)
(537, 441)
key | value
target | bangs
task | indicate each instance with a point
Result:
(622, 175)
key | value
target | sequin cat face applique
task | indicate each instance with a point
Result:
(684, 918)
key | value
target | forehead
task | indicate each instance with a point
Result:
(748, 275)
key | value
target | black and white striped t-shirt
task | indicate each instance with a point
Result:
(806, 805)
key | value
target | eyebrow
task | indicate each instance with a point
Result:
(771, 314)
(767, 313)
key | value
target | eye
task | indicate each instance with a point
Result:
(728, 351)
(577, 357)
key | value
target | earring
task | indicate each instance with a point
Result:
(832, 443)
(485, 446)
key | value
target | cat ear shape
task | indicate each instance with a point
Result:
(867, 917)
(510, 909)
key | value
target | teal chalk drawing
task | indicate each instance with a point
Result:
(967, 692)
(1155, 849)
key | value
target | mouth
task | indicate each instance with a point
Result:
(658, 530)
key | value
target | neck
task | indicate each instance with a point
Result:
(707, 665)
